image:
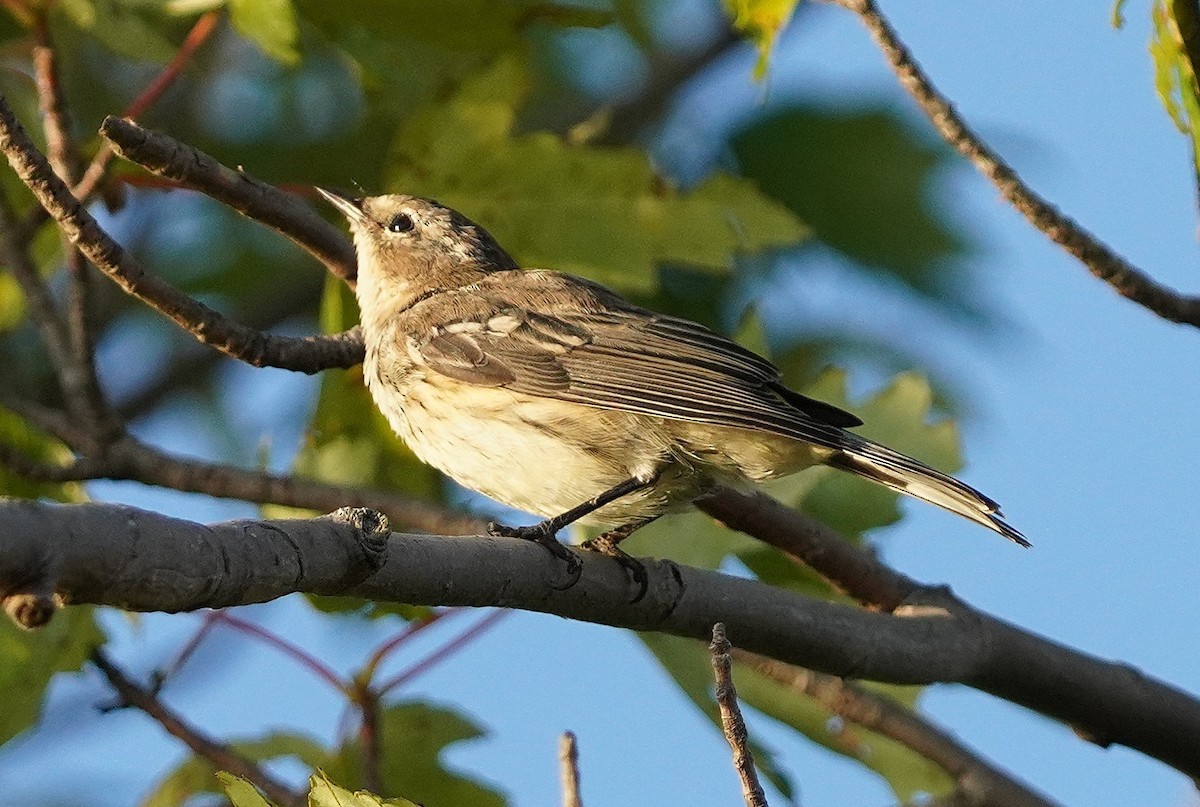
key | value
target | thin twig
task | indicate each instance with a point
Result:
(1100, 259)
(197, 36)
(283, 212)
(732, 724)
(310, 354)
(405, 635)
(306, 659)
(367, 701)
(979, 780)
(568, 765)
(442, 653)
(220, 756)
(133, 460)
(63, 154)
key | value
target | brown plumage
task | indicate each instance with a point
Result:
(543, 390)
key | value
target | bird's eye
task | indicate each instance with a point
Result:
(401, 223)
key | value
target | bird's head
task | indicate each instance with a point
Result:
(408, 245)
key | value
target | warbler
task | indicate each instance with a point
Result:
(552, 394)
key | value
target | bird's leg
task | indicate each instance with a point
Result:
(608, 543)
(545, 531)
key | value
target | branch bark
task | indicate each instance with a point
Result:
(309, 354)
(113, 555)
(285, 213)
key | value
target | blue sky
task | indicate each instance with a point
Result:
(1084, 426)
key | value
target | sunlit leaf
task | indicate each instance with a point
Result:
(761, 21)
(240, 792)
(195, 775)
(324, 793)
(1174, 75)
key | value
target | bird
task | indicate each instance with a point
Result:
(552, 394)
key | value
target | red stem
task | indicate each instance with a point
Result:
(444, 652)
(318, 667)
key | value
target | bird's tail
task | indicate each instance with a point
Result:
(907, 475)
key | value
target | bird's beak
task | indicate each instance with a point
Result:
(350, 206)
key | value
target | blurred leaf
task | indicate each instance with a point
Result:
(761, 21)
(860, 180)
(907, 772)
(898, 417)
(271, 24)
(195, 775)
(29, 659)
(688, 663)
(412, 737)
(40, 447)
(133, 30)
(240, 792)
(599, 212)
(12, 303)
(1174, 77)
(349, 441)
(324, 793)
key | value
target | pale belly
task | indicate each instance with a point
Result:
(545, 456)
(537, 455)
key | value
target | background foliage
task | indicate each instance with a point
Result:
(509, 112)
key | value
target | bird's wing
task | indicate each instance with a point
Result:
(599, 351)
(619, 357)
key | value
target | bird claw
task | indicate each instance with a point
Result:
(605, 544)
(540, 535)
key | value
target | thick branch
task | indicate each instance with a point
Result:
(310, 354)
(1100, 259)
(143, 561)
(192, 168)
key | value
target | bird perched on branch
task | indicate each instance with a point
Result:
(553, 395)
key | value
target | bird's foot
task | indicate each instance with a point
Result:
(608, 544)
(543, 534)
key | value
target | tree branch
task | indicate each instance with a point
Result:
(1100, 259)
(283, 212)
(310, 354)
(568, 767)
(220, 756)
(732, 724)
(978, 781)
(113, 555)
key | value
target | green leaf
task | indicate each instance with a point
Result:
(324, 793)
(194, 775)
(38, 446)
(240, 792)
(349, 441)
(29, 659)
(1174, 77)
(128, 29)
(599, 212)
(271, 24)
(861, 181)
(412, 737)
(905, 771)
(689, 664)
(12, 303)
(761, 21)
(899, 417)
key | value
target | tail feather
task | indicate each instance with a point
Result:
(907, 475)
